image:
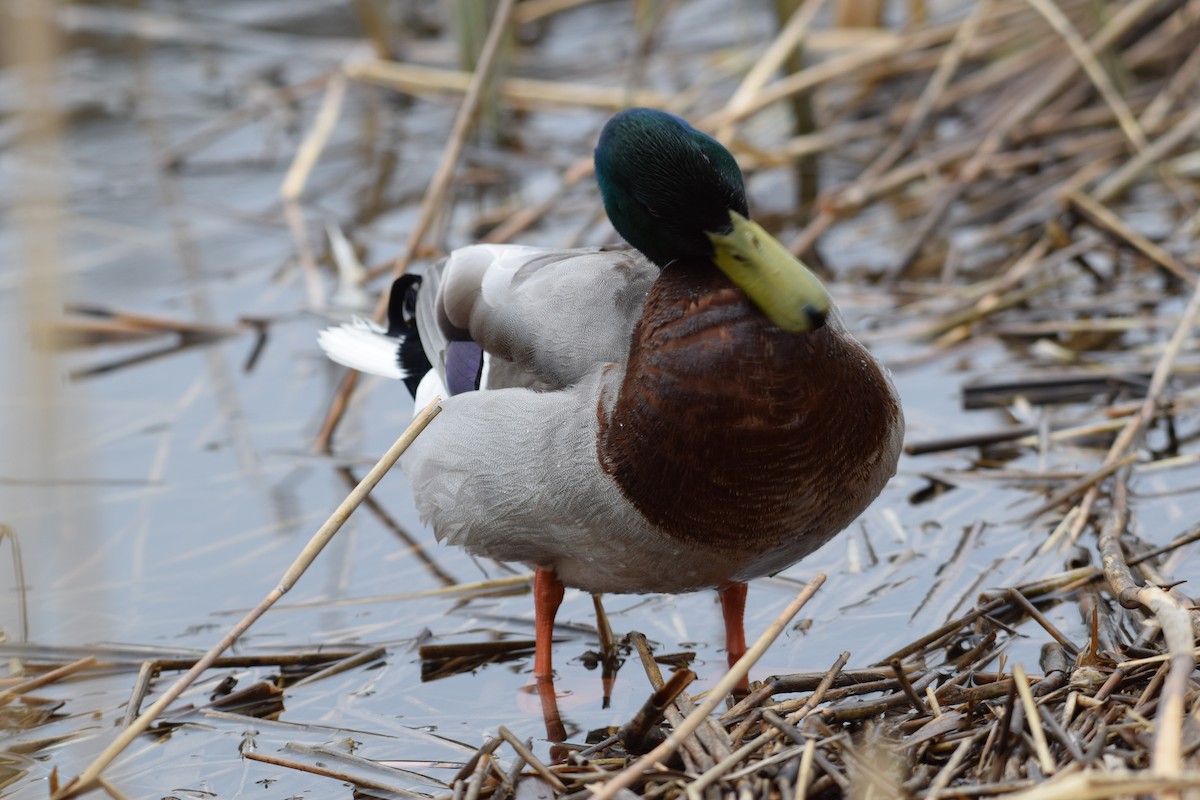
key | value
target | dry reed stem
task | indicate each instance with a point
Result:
(1178, 620)
(946, 774)
(365, 657)
(785, 43)
(86, 780)
(469, 767)
(533, 761)
(304, 253)
(532, 10)
(1176, 89)
(956, 327)
(947, 66)
(1087, 483)
(1002, 292)
(1087, 60)
(326, 772)
(526, 217)
(334, 752)
(623, 780)
(1120, 180)
(1094, 785)
(315, 140)
(111, 321)
(1174, 618)
(439, 186)
(141, 685)
(52, 676)
(297, 177)
(323, 443)
(1158, 381)
(20, 588)
(719, 770)
(1018, 110)
(1106, 220)
(520, 93)
(871, 52)
(112, 791)
(675, 712)
(435, 195)
(1167, 609)
(1034, 720)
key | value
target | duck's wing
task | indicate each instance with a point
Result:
(546, 318)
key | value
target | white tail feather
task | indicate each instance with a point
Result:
(363, 346)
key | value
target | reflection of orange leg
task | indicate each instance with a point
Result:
(555, 730)
(733, 608)
(547, 596)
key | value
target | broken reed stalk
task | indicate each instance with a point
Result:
(635, 733)
(1158, 382)
(141, 685)
(1033, 720)
(857, 193)
(325, 772)
(86, 780)
(434, 199)
(533, 761)
(1093, 785)
(521, 93)
(1104, 219)
(464, 120)
(785, 43)
(1091, 67)
(50, 677)
(1177, 618)
(1021, 106)
(1120, 180)
(297, 177)
(365, 657)
(623, 780)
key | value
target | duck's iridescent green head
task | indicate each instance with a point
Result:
(676, 194)
(666, 185)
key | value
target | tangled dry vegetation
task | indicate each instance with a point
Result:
(1041, 158)
(1016, 144)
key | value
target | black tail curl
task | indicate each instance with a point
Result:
(402, 324)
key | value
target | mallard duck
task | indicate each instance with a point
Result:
(685, 414)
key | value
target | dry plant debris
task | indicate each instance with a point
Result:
(1015, 143)
(1042, 158)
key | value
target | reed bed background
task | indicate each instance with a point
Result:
(1012, 177)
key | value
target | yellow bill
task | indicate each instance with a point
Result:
(781, 286)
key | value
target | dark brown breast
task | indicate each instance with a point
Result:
(729, 431)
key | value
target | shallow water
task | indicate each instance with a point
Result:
(155, 500)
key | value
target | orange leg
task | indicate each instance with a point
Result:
(547, 596)
(733, 608)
